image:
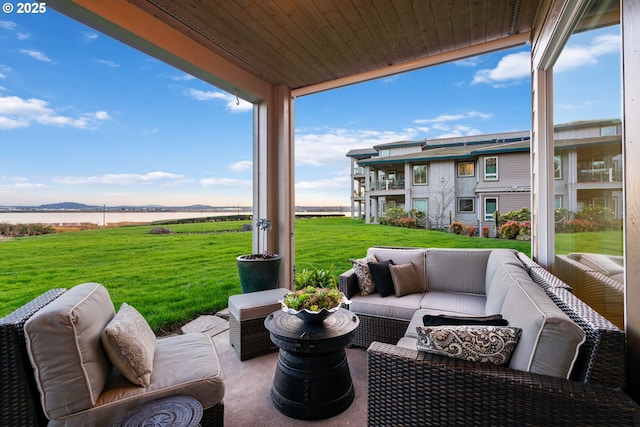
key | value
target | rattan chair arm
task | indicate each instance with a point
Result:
(407, 387)
(348, 283)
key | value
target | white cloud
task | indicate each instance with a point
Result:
(36, 54)
(391, 79)
(240, 166)
(16, 112)
(454, 117)
(458, 130)
(108, 63)
(150, 131)
(8, 25)
(233, 104)
(89, 37)
(182, 77)
(468, 62)
(511, 68)
(23, 36)
(328, 147)
(123, 179)
(576, 56)
(226, 182)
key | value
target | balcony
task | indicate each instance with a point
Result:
(387, 184)
(599, 175)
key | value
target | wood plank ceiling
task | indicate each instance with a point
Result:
(297, 43)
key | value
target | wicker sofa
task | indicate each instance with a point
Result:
(412, 388)
(597, 279)
(74, 383)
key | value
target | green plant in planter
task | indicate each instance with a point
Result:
(316, 288)
(261, 271)
(316, 277)
(313, 299)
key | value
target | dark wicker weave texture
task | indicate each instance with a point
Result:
(19, 396)
(249, 338)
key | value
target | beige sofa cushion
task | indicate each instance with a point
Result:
(63, 342)
(550, 339)
(406, 280)
(390, 307)
(455, 302)
(504, 272)
(457, 270)
(130, 344)
(402, 256)
(184, 364)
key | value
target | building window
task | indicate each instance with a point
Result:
(419, 174)
(490, 168)
(558, 202)
(383, 153)
(490, 206)
(557, 167)
(608, 131)
(466, 169)
(466, 204)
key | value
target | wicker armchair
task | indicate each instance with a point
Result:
(19, 395)
(411, 388)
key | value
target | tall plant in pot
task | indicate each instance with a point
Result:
(261, 271)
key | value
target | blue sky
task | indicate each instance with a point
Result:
(88, 119)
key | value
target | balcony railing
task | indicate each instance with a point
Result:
(387, 184)
(358, 170)
(599, 175)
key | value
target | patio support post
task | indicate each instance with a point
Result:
(273, 178)
(631, 148)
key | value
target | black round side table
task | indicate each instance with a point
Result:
(173, 411)
(312, 379)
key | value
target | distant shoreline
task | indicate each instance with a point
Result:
(107, 217)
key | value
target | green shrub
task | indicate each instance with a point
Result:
(470, 230)
(509, 230)
(457, 227)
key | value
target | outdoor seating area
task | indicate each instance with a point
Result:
(566, 354)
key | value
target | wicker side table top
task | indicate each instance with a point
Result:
(174, 411)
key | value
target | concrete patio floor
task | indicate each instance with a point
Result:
(247, 400)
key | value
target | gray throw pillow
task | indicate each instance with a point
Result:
(405, 279)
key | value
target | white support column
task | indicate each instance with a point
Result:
(631, 149)
(542, 184)
(273, 178)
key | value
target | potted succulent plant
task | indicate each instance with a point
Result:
(316, 296)
(261, 271)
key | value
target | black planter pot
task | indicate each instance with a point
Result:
(258, 273)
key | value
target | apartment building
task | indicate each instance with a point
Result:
(469, 178)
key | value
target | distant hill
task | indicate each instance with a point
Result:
(68, 205)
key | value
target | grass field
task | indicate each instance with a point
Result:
(172, 278)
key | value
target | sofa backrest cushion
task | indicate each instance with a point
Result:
(64, 345)
(402, 256)
(503, 268)
(457, 270)
(550, 340)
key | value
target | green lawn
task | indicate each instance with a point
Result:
(172, 278)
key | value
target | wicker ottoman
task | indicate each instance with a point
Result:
(247, 312)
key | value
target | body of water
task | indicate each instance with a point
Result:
(106, 218)
(100, 218)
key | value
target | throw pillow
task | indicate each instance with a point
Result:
(130, 344)
(382, 277)
(493, 344)
(405, 279)
(365, 281)
(443, 319)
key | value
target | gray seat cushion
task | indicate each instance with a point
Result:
(455, 302)
(390, 307)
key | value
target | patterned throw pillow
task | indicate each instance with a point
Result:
(365, 281)
(493, 344)
(130, 344)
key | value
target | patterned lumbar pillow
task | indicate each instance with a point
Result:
(493, 344)
(130, 344)
(361, 268)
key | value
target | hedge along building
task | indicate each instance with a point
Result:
(467, 179)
